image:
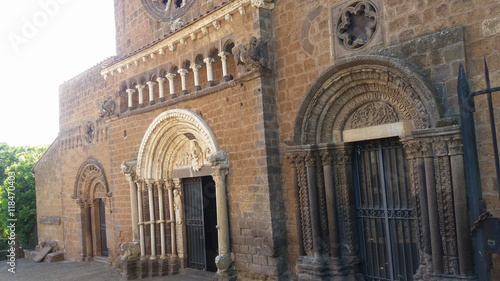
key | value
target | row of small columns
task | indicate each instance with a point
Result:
(220, 171)
(160, 81)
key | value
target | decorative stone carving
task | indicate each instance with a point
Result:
(253, 56)
(128, 168)
(90, 171)
(357, 24)
(266, 4)
(167, 10)
(89, 130)
(372, 114)
(131, 251)
(196, 156)
(106, 108)
(178, 206)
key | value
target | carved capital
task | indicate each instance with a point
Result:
(413, 148)
(455, 146)
(195, 67)
(81, 202)
(326, 157)
(170, 76)
(266, 4)
(208, 61)
(160, 80)
(150, 183)
(182, 71)
(220, 159)
(151, 84)
(129, 168)
(310, 158)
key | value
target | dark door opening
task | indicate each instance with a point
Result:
(102, 224)
(385, 216)
(201, 220)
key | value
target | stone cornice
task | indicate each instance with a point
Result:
(170, 44)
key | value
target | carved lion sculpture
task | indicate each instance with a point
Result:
(131, 251)
(252, 56)
(107, 108)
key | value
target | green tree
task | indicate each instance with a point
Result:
(18, 178)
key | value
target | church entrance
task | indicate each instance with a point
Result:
(102, 223)
(201, 221)
(388, 248)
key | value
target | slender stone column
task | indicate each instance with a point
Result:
(331, 203)
(195, 68)
(313, 201)
(161, 220)
(223, 57)
(220, 167)
(210, 72)
(464, 245)
(140, 90)
(170, 186)
(130, 93)
(150, 184)
(151, 86)
(161, 88)
(140, 184)
(171, 85)
(128, 169)
(294, 159)
(91, 251)
(183, 73)
(83, 224)
(430, 180)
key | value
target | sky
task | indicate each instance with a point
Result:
(44, 43)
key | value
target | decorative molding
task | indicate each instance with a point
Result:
(89, 175)
(201, 26)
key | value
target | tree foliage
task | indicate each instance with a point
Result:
(18, 162)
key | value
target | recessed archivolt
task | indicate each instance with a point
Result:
(89, 179)
(165, 137)
(354, 82)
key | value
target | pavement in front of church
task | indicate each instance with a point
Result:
(26, 270)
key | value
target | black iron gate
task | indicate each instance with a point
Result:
(195, 228)
(385, 216)
(482, 240)
(102, 223)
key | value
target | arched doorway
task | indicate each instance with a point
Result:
(178, 191)
(91, 192)
(367, 130)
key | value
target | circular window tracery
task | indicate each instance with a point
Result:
(166, 10)
(357, 25)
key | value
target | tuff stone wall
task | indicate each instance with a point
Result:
(48, 195)
(433, 37)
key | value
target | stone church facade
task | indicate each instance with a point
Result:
(275, 140)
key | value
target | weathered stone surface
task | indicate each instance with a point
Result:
(42, 253)
(54, 257)
(52, 220)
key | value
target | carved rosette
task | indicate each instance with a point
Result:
(357, 25)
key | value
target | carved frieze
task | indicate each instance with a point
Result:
(193, 155)
(372, 114)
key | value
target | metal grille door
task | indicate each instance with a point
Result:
(385, 217)
(195, 230)
(102, 222)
